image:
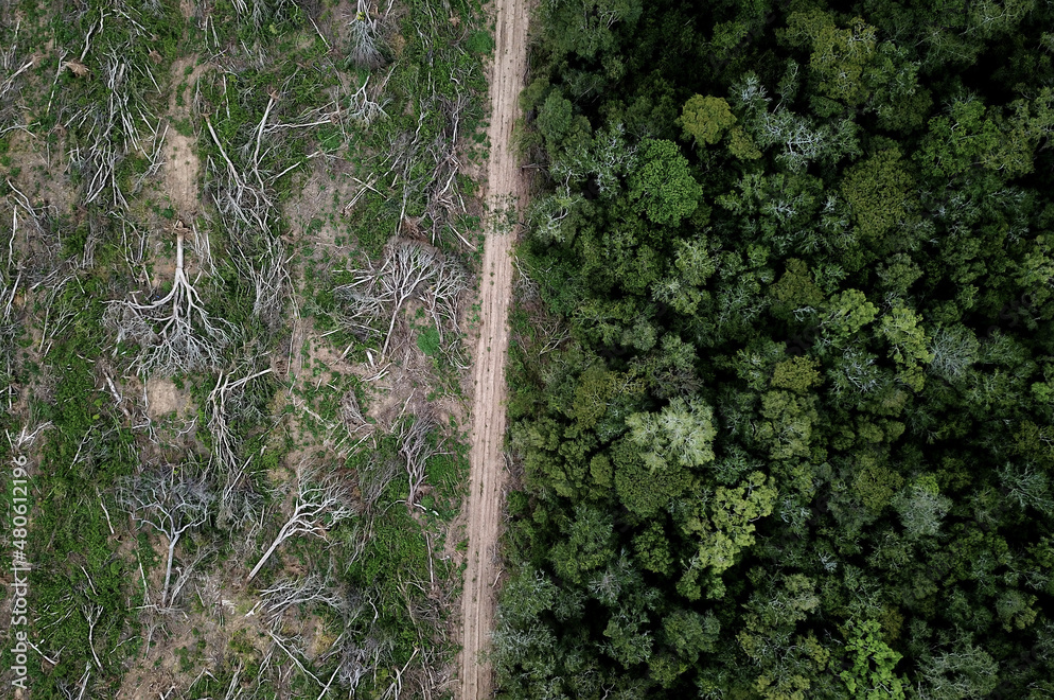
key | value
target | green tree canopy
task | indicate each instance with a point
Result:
(663, 186)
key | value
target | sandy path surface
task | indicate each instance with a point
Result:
(505, 187)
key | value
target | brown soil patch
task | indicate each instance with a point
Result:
(182, 165)
(329, 188)
(181, 172)
(36, 164)
(205, 637)
(162, 398)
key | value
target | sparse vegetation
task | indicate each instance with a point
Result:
(243, 480)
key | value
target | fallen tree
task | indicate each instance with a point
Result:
(320, 503)
(170, 503)
(174, 333)
(409, 270)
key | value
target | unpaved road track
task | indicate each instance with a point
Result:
(505, 187)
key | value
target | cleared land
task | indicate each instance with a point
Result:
(238, 248)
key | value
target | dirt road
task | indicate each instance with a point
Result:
(505, 187)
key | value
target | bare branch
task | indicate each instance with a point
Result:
(293, 654)
(171, 504)
(238, 504)
(174, 333)
(416, 447)
(356, 660)
(107, 130)
(363, 106)
(364, 51)
(373, 479)
(186, 572)
(320, 503)
(409, 270)
(315, 589)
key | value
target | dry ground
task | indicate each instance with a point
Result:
(505, 185)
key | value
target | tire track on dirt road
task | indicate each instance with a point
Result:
(505, 188)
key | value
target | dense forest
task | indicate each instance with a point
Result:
(783, 371)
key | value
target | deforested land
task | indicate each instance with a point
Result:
(240, 254)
